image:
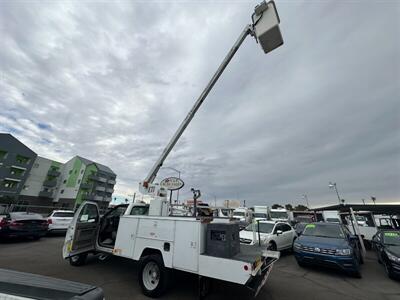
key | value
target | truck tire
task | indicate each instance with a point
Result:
(153, 276)
(78, 260)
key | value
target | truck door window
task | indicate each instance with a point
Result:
(88, 214)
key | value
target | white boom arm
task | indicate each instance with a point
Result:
(266, 31)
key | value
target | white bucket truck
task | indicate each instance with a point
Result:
(161, 241)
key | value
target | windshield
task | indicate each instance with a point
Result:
(238, 214)
(279, 214)
(264, 227)
(391, 238)
(64, 214)
(330, 231)
(260, 215)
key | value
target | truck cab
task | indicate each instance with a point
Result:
(243, 214)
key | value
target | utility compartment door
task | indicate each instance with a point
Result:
(186, 249)
(126, 236)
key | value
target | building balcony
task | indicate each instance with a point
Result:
(53, 173)
(17, 176)
(50, 183)
(109, 190)
(100, 188)
(93, 198)
(97, 178)
(46, 194)
(86, 186)
(19, 165)
(11, 190)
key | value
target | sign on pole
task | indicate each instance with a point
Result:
(172, 183)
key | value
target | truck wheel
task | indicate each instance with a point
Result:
(153, 276)
(271, 246)
(78, 260)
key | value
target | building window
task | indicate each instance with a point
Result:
(70, 172)
(62, 192)
(22, 159)
(3, 154)
(82, 171)
(10, 184)
(65, 181)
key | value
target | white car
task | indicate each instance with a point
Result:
(274, 235)
(59, 220)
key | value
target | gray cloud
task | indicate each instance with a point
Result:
(113, 82)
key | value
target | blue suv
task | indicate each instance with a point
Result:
(330, 245)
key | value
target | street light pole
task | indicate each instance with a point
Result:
(333, 185)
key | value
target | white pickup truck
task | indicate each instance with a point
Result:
(161, 244)
(161, 241)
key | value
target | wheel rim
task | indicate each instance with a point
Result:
(151, 276)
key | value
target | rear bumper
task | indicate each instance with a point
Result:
(258, 280)
(256, 283)
(345, 263)
(8, 233)
(58, 227)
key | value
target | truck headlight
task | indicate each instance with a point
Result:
(344, 252)
(297, 246)
(392, 257)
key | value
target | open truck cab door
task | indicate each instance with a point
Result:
(82, 232)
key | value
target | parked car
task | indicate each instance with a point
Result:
(276, 236)
(26, 286)
(387, 245)
(299, 227)
(330, 245)
(59, 220)
(23, 224)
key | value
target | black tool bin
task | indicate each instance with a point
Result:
(223, 239)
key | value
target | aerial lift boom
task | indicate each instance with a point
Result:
(265, 29)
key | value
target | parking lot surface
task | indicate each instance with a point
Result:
(118, 276)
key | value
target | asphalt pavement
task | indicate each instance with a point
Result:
(118, 276)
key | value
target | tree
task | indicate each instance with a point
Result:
(275, 206)
(301, 207)
(289, 207)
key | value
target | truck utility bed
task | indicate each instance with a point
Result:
(32, 286)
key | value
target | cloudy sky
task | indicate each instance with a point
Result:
(112, 82)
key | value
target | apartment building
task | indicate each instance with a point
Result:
(42, 183)
(29, 179)
(84, 179)
(16, 161)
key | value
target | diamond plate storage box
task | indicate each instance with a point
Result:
(223, 239)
